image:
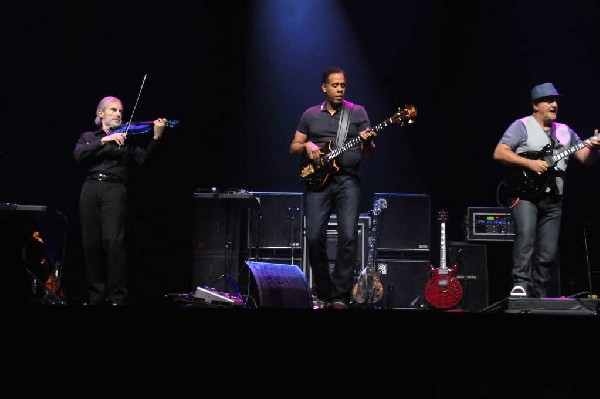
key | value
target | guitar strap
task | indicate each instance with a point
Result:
(342, 132)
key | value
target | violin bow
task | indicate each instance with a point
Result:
(136, 103)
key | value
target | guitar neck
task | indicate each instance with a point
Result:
(563, 154)
(443, 247)
(355, 141)
(557, 157)
(372, 244)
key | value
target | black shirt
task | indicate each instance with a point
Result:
(320, 126)
(110, 158)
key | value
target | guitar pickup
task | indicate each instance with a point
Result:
(307, 170)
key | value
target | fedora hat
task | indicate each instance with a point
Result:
(543, 90)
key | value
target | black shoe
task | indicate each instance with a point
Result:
(318, 304)
(339, 305)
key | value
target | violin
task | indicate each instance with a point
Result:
(133, 128)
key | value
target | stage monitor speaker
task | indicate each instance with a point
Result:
(471, 262)
(277, 222)
(274, 285)
(404, 226)
(403, 282)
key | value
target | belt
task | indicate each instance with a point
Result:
(105, 177)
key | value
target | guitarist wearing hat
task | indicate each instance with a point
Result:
(334, 188)
(535, 151)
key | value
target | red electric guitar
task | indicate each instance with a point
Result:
(443, 290)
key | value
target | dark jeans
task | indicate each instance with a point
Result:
(103, 209)
(342, 196)
(535, 249)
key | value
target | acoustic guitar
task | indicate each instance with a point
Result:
(368, 288)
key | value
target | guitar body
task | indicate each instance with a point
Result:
(315, 175)
(524, 183)
(368, 288)
(443, 290)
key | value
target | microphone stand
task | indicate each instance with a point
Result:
(258, 224)
(290, 215)
(587, 257)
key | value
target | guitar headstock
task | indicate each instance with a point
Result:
(404, 116)
(379, 205)
(173, 122)
(443, 216)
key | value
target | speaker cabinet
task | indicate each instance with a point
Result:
(363, 227)
(364, 224)
(404, 226)
(219, 244)
(273, 285)
(277, 222)
(403, 282)
(210, 266)
(471, 261)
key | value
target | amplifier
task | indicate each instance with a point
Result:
(364, 225)
(404, 226)
(403, 282)
(276, 222)
(489, 224)
(363, 228)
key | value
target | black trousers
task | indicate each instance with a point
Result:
(342, 196)
(103, 215)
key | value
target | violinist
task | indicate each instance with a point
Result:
(107, 154)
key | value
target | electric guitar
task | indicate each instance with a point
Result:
(443, 290)
(316, 174)
(525, 183)
(369, 288)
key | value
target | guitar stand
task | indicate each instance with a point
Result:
(291, 215)
(258, 223)
(587, 258)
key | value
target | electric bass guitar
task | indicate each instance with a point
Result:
(368, 287)
(316, 174)
(443, 290)
(525, 183)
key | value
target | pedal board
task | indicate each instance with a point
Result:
(212, 296)
(559, 306)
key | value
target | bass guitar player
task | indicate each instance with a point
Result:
(336, 120)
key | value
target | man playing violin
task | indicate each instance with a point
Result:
(107, 157)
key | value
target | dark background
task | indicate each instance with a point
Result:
(238, 75)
